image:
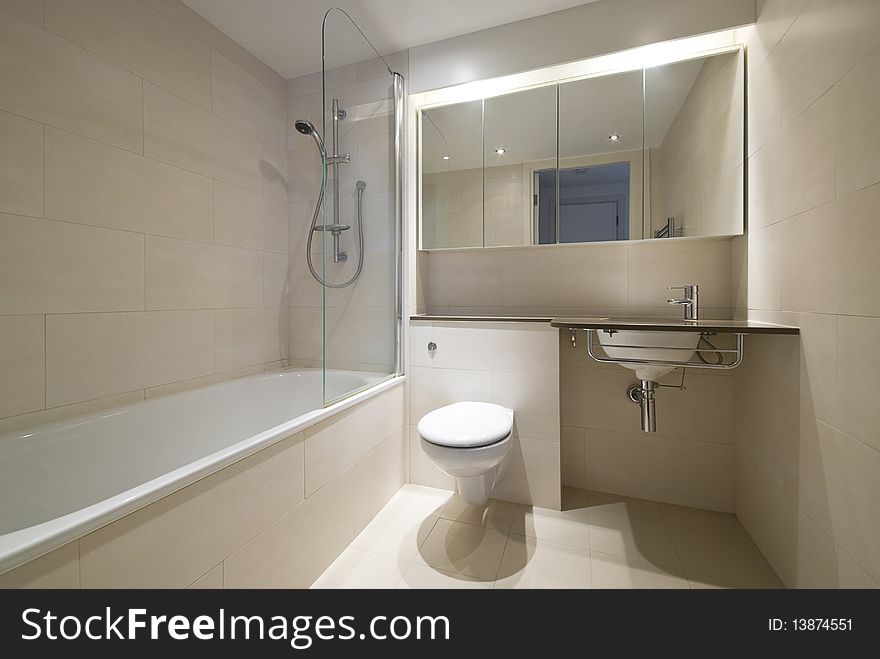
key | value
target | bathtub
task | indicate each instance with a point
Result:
(63, 480)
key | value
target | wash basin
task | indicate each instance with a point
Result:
(651, 346)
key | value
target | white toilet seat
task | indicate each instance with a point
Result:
(466, 425)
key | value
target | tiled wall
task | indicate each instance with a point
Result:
(361, 317)
(276, 519)
(806, 425)
(690, 460)
(457, 213)
(143, 230)
(512, 364)
(579, 279)
(697, 173)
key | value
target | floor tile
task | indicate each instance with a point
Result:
(608, 509)
(694, 517)
(636, 540)
(726, 553)
(393, 537)
(356, 568)
(429, 538)
(424, 576)
(463, 548)
(570, 527)
(536, 563)
(494, 515)
(617, 572)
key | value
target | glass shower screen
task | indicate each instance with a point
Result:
(359, 225)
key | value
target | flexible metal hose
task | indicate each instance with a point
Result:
(361, 186)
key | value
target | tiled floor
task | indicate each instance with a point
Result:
(429, 538)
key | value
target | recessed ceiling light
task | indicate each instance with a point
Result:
(500, 151)
(614, 137)
(446, 157)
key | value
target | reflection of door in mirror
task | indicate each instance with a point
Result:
(593, 204)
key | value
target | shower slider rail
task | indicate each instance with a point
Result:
(738, 352)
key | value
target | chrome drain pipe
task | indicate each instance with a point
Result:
(647, 406)
(644, 395)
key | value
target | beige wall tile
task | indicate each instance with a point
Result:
(211, 580)
(188, 275)
(90, 183)
(825, 42)
(657, 264)
(245, 337)
(335, 444)
(851, 575)
(840, 236)
(57, 569)
(763, 110)
(378, 475)
(244, 100)
(55, 267)
(183, 134)
(275, 278)
(532, 474)
(584, 275)
(21, 166)
(698, 474)
(48, 79)
(24, 421)
(850, 481)
(573, 457)
(596, 398)
(773, 362)
(519, 347)
(858, 362)
(306, 338)
(857, 126)
(22, 364)
(534, 399)
(296, 549)
(436, 387)
(96, 355)
(138, 38)
(195, 383)
(421, 470)
(764, 269)
(171, 543)
(196, 25)
(246, 219)
(464, 278)
(31, 10)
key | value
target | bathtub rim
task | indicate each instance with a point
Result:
(22, 546)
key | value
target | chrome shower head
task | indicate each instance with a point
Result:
(306, 127)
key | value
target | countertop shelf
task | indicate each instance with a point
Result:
(675, 325)
(623, 323)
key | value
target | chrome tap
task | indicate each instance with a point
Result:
(690, 301)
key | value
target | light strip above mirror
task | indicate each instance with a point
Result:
(648, 56)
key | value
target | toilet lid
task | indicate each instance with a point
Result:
(466, 425)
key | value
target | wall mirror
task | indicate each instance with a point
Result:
(645, 153)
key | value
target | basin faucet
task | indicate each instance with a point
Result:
(690, 301)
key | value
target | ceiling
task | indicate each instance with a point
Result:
(286, 34)
(524, 123)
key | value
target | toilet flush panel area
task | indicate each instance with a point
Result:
(513, 365)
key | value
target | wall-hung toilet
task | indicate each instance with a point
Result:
(468, 441)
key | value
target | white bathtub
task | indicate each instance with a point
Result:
(63, 480)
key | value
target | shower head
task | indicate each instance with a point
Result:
(306, 127)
